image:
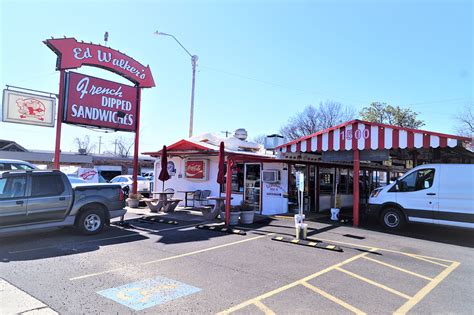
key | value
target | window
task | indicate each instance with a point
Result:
(237, 179)
(12, 187)
(419, 180)
(25, 167)
(47, 185)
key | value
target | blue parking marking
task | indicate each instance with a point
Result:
(147, 293)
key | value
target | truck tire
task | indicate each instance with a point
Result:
(91, 220)
(392, 218)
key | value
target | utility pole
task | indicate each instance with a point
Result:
(100, 142)
(226, 133)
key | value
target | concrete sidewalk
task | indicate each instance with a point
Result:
(16, 301)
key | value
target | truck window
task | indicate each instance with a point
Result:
(419, 180)
(12, 187)
(47, 185)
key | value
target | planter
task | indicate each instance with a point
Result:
(246, 217)
(234, 218)
(133, 203)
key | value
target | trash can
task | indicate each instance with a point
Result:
(301, 231)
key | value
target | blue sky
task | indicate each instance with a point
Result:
(260, 62)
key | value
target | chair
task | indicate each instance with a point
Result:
(196, 196)
(169, 190)
(204, 195)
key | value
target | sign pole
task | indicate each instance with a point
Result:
(57, 147)
(137, 137)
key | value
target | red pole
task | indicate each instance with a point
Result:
(356, 187)
(59, 120)
(228, 190)
(137, 136)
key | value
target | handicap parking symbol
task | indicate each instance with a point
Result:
(147, 293)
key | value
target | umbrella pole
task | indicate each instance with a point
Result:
(163, 189)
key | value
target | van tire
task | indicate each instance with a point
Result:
(392, 218)
(91, 220)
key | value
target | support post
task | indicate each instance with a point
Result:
(355, 184)
(59, 119)
(228, 190)
(318, 188)
(137, 137)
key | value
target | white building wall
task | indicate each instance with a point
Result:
(179, 182)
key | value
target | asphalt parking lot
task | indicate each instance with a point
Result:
(176, 268)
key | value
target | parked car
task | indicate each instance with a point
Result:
(432, 193)
(126, 181)
(7, 165)
(43, 199)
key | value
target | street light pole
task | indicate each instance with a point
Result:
(194, 60)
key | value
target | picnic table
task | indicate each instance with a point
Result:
(217, 210)
(162, 202)
(186, 193)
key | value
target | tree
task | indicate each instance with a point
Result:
(260, 139)
(465, 119)
(313, 119)
(392, 115)
(122, 147)
(83, 145)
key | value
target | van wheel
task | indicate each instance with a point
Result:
(392, 219)
(91, 221)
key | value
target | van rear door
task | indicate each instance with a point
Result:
(418, 194)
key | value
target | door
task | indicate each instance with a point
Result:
(418, 195)
(252, 186)
(13, 200)
(49, 198)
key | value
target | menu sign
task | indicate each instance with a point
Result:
(96, 102)
(196, 169)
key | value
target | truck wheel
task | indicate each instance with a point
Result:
(392, 219)
(91, 221)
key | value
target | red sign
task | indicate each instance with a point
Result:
(100, 103)
(195, 169)
(73, 54)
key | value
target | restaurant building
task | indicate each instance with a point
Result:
(341, 164)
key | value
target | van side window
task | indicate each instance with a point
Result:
(419, 180)
(47, 185)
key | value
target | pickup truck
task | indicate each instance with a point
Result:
(43, 199)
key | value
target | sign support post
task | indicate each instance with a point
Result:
(137, 137)
(59, 119)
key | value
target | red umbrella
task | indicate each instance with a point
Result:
(221, 172)
(164, 176)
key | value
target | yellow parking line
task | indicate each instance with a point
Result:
(427, 260)
(427, 289)
(264, 308)
(291, 285)
(169, 258)
(333, 298)
(374, 283)
(398, 268)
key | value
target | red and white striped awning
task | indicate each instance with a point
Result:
(363, 135)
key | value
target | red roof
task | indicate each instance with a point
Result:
(358, 134)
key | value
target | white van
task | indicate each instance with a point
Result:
(430, 193)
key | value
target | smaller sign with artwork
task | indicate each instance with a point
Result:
(26, 108)
(196, 169)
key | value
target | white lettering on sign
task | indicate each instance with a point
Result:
(92, 113)
(79, 54)
(357, 134)
(83, 84)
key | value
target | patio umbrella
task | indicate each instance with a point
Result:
(164, 176)
(221, 168)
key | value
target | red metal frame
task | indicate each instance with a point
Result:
(137, 137)
(57, 146)
(355, 183)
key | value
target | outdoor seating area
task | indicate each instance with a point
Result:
(164, 201)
